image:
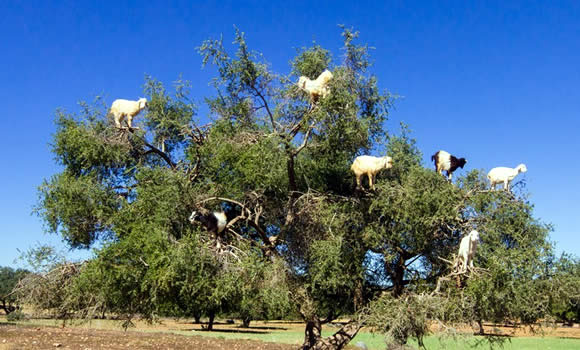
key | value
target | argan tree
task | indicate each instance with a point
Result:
(299, 233)
(9, 277)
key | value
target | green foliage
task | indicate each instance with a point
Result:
(263, 291)
(403, 150)
(399, 319)
(47, 288)
(310, 62)
(80, 206)
(8, 279)
(565, 305)
(86, 144)
(201, 281)
(243, 160)
(16, 316)
(168, 118)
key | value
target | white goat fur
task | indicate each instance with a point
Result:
(316, 88)
(371, 166)
(126, 108)
(467, 249)
(222, 220)
(504, 175)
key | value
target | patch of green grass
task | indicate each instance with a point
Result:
(520, 343)
(375, 341)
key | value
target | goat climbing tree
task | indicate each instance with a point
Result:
(300, 238)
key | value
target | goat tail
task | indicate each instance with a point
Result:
(434, 159)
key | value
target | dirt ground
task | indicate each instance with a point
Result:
(108, 335)
(27, 337)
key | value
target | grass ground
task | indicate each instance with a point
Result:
(232, 336)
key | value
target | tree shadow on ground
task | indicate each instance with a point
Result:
(234, 330)
(264, 327)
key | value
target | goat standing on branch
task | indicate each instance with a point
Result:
(504, 175)
(213, 222)
(121, 109)
(316, 88)
(467, 249)
(447, 162)
(371, 166)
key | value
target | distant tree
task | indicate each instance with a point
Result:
(9, 278)
(47, 286)
(565, 305)
(299, 233)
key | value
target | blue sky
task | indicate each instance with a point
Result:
(496, 83)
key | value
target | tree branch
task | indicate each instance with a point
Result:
(328, 318)
(296, 128)
(153, 149)
(305, 141)
(221, 199)
(246, 214)
(259, 94)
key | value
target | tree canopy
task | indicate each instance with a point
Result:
(300, 237)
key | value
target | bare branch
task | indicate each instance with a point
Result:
(220, 199)
(153, 149)
(305, 141)
(296, 128)
(259, 94)
(143, 261)
(248, 215)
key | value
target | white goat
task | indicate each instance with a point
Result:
(467, 249)
(126, 108)
(504, 175)
(371, 166)
(316, 88)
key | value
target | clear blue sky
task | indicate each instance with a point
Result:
(497, 83)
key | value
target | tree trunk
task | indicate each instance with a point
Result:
(210, 323)
(481, 330)
(197, 318)
(358, 295)
(312, 333)
(291, 174)
(7, 309)
(398, 282)
(314, 341)
(246, 322)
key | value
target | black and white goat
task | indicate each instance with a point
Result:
(447, 162)
(213, 222)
